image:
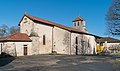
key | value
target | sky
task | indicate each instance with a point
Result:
(59, 11)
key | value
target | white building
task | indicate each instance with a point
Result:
(111, 44)
(49, 37)
(18, 44)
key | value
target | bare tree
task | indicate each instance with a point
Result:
(113, 18)
(13, 30)
(4, 30)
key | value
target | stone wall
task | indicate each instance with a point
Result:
(46, 31)
(26, 27)
(41, 30)
(61, 41)
(86, 44)
(16, 48)
(74, 45)
(91, 44)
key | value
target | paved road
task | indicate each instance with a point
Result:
(59, 63)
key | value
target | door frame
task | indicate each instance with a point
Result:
(25, 50)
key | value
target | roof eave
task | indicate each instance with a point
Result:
(16, 41)
(77, 20)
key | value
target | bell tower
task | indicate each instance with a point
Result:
(79, 23)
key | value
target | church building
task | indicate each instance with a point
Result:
(39, 36)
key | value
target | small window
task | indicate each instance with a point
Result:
(76, 40)
(25, 45)
(25, 20)
(74, 24)
(26, 30)
(78, 23)
(88, 43)
(43, 39)
(1, 47)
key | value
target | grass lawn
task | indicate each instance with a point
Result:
(118, 59)
(118, 53)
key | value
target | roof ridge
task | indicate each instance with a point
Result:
(112, 38)
(16, 37)
(55, 24)
(36, 17)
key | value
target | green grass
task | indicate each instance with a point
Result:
(118, 59)
(118, 53)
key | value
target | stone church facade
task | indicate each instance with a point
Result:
(48, 37)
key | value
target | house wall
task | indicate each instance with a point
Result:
(37, 42)
(73, 43)
(92, 44)
(35, 45)
(16, 48)
(43, 30)
(110, 44)
(26, 27)
(86, 44)
(61, 41)
(19, 48)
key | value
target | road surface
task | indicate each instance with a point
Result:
(60, 63)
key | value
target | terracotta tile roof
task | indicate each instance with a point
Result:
(108, 39)
(78, 19)
(35, 19)
(17, 37)
(52, 24)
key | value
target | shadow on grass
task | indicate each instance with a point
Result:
(5, 59)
